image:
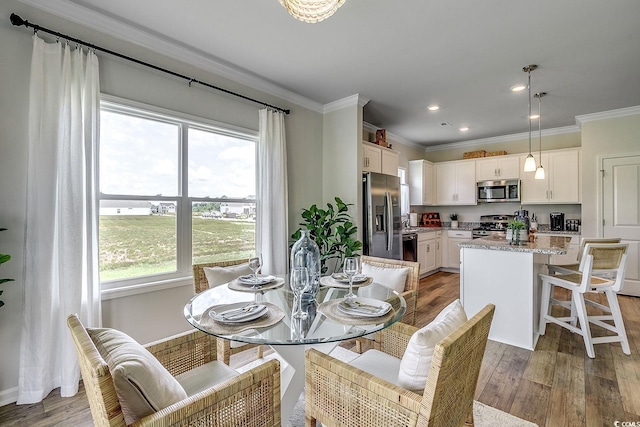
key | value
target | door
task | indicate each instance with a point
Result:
(620, 211)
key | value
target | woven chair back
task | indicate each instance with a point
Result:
(455, 368)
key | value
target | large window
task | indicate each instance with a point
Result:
(173, 192)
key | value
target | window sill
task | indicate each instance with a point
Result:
(143, 288)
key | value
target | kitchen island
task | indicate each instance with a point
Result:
(494, 271)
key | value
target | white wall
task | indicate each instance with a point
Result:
(145, 316)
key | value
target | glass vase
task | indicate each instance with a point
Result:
(306, 253)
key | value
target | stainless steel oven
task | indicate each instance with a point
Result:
(410, 247)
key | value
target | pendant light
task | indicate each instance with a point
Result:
(530, 162)
(540, 170)
(311, 11)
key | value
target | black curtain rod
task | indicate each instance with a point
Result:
(18, 21)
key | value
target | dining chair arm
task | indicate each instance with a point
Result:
(394, 339)
(232, 402)
(182, 352)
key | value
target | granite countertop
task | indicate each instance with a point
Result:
(420, 229)
(547, 245)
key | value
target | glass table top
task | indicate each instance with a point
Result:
(318, 327)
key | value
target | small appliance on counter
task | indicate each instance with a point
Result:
(431, 219)
(556, 222)
(572, 225)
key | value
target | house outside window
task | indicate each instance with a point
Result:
(174, 190)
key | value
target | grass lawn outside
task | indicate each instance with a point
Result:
(141, 245)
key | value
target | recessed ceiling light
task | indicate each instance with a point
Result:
(518, 88)
(433, 107)
(534, 116)
(464, 129)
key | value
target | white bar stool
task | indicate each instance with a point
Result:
(596, 257)
(574, 268)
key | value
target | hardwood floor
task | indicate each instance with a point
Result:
(556, 385)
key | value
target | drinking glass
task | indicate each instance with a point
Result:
(299, 283)
(255, 262)
(351, 268)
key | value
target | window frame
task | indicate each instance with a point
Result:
(184, 254)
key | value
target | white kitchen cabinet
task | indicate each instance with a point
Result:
(456, 183)
(453, 251)
(421, 182)
(427, 251)
(498, 168)
(379, 159)
(438, 249)
(562, 178)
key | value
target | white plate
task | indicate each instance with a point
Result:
(364, 307)
(262, 280)
(343, 278)
(255, 313)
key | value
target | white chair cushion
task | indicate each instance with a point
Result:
(393, 278)
(142, 384)
(379, 364)
(205, 376)
(416, 360)
(217, 276)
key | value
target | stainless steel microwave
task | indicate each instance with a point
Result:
(498, 191)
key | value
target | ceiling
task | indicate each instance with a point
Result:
(463, 55)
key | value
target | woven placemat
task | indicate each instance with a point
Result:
(330, 309)
(236, 285)
(273, 316)
(333, 283)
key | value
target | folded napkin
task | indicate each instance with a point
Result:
(239, 313)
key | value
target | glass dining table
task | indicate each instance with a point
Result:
(323, 328)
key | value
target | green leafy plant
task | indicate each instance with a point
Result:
(4, 258)
(453, 216)
(516, 225)
(333, 231)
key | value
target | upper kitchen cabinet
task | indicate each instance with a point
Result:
(421, 182)
(562, 178)
(379, 159)
(456, 183)
(498, 168)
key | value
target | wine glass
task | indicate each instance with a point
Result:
(255, 262)
(351, 268)
(299, 283)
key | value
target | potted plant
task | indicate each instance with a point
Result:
(333, 232)
(4, 258)
(517, 232)
(454, 220)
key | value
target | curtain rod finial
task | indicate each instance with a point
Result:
(17, 21)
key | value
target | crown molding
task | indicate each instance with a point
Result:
(611, 114)
(349, 101)
(112, 27)
(501, 139)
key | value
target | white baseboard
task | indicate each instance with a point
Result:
(8, 396)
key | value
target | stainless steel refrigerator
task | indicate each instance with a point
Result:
(382, 223)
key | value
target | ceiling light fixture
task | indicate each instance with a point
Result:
(518, 88)
(311, 11)
(540, 170)
(464, 129)
(433, 107)
(530, 162)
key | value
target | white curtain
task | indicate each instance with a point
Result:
(61, 234)
(272, 222)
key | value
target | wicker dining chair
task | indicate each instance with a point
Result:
(226, 348)
(231, 402)
(410, 293)
(338, 394)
